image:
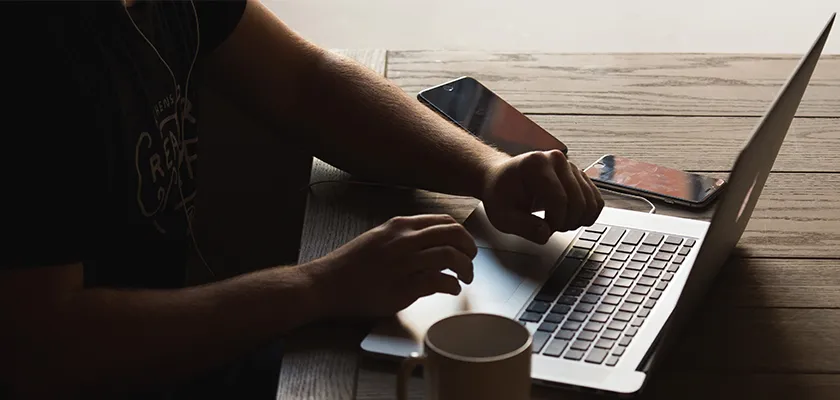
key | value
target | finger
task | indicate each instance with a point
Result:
(440, 258)
(548, 191)
(590, 209)
(575, 201)
(428, 283)
(454, 235)
(417, 222)
(522, 224)
(599, 200)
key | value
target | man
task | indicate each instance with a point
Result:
(100, 140)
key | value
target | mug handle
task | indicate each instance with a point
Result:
(414, 359)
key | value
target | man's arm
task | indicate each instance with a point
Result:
(345, 113)
(63, 338)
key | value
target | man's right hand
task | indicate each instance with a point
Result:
(389, 267)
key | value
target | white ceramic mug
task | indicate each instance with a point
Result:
(473, 356)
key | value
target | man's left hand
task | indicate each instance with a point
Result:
(537, 181)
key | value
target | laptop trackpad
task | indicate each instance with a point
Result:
(499, 273)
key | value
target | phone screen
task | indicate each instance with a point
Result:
(481, 112)
(651, 178)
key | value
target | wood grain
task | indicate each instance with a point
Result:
(696, 143)
(626, 84)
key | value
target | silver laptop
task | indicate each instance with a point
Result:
(603, 301)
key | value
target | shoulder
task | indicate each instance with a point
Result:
(218, 19)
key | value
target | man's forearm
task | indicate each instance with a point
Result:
(122, 339)
(368, 126)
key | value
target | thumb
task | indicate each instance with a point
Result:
(522, 224)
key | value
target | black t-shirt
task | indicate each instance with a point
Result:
(95, 168)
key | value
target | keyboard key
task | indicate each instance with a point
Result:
(625, 340)
(599, 317)
(608, 273)
(618, 291)
(629, 307)
(571, 326)
(656, 264)
(637, 322)
(540, 338)
(601, 249)
(574, 355)
(635, 298)
(613, 236)
(554, 318)
(579, 283)
(652, 272)
(593, 327)
(635, 266)
(605, 343)
(645, 312)
(662, 285)
(545, 296)
(617, 325)
(611, 334)
(633, 237)
(623, 283)
(597, 228)
(590, 299)
(561, 309)
(595, 289)
(578, 253)
(584, 244)
(660, 256)
(678, 260)
(632, 331)
(684, 251)
(629, 274)
(653, 239)
(620, 256)
(598, 257)
(556, 347)
(593, 236)
(548, 327)
(689, 243)
(639, 289)
(577, 316)
(623, 316)
(584, 308)
(606, 309)
(612, 300)
(646, 281)
(590, 265)
(611, 361)
(619, 351)
(639, 257)
(667, 277)
(675, 240)
(567, 300)
(668, 248)
(596, 356)
(530, 317)
(650, 303)
(673, 267)
(586, 274)
(613, 265)
(539, 306)
(581, 345)
(602, 281)
(625, 248)
(588, 336)
(564, 334)
(646, 249)
(574, 292)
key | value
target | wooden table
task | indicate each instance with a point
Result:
(771, 328)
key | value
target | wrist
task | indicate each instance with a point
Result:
(320, 291)
(488, 172)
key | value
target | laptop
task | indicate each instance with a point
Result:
(602, 302)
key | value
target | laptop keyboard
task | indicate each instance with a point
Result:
(621, 273)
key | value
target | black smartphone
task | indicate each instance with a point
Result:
(476, 109)
(653, 181)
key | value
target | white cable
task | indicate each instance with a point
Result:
(179, 119)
